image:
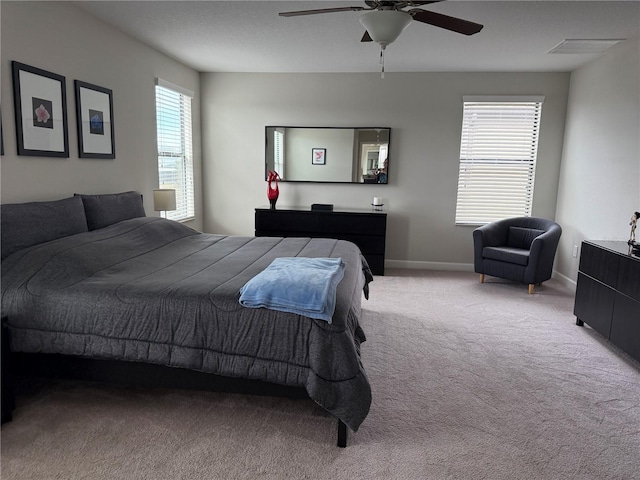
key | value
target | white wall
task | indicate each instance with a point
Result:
(599, 185)
(58, 37)
(424, 111)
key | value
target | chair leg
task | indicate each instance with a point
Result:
(531, 285)
(482, 278)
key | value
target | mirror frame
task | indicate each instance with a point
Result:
(268, 144)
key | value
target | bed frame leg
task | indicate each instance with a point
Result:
(342, 434)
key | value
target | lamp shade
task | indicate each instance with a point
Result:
(164, 199)
(385, 26)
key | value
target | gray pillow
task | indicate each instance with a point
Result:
(105, 210)
(521, 237)
(27, 224)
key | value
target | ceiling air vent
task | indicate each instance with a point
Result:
(577, 46)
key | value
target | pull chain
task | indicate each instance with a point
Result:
(382, 62)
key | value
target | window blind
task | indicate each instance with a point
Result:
(175, 148)
(498, 153)
(278, 144)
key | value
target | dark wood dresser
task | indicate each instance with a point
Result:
(365, 228)
(608, 293)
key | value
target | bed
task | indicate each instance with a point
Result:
(91, 277)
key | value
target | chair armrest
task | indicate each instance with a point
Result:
(544, 246)
(542, 254)
(492, 234)
(489, 235)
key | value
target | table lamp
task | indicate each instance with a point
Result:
(164, 199)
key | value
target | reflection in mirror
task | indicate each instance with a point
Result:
(333, 154)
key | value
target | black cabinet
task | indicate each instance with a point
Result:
(367, 229)
(608, 293)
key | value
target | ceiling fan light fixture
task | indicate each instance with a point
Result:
(385, 26)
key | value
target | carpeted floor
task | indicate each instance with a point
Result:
(469, 381)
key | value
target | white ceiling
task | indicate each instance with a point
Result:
(249, 36)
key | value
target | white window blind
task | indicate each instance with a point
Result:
(498, 154)
(278, 151)
(175, 147)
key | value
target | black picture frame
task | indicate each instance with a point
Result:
(318, 156)
(40, 99)
(94, 111)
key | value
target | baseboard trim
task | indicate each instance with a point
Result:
(462, 267)
(564, 280)
(414, 265)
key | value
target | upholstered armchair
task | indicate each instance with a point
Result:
(520, 249)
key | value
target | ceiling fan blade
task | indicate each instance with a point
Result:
(399, 4)
(322, 10)
(445, 21)
(366, 37)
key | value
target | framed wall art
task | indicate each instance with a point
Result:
(318, 156)
(41, 111)
(94, 109)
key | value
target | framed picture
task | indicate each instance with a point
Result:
(94, 109)
(318, 156)
(41, 112)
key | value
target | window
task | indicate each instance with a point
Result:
(175, 150)
(278, 151)
(498, 154)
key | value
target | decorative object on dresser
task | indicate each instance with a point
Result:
(633, 223)
(521, 249)
(365, 228)
(377, 204)
(327, 207)
(608, 293)
(635, 246)
(273, 192)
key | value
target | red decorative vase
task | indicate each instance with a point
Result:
(273, 192)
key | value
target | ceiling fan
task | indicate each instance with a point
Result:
(384, 15)
(386, 20)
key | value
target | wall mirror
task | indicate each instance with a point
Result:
(332, 154)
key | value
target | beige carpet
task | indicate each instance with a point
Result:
(469, 381)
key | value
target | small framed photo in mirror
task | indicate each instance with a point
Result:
(318, 156)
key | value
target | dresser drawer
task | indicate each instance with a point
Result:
(599, 263)
(629, 278)
(625, 326)
(594, 304)
(353, 224)
(299, 223)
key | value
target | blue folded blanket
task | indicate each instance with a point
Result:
(306, 286)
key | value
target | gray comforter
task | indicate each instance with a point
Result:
(152, 290)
